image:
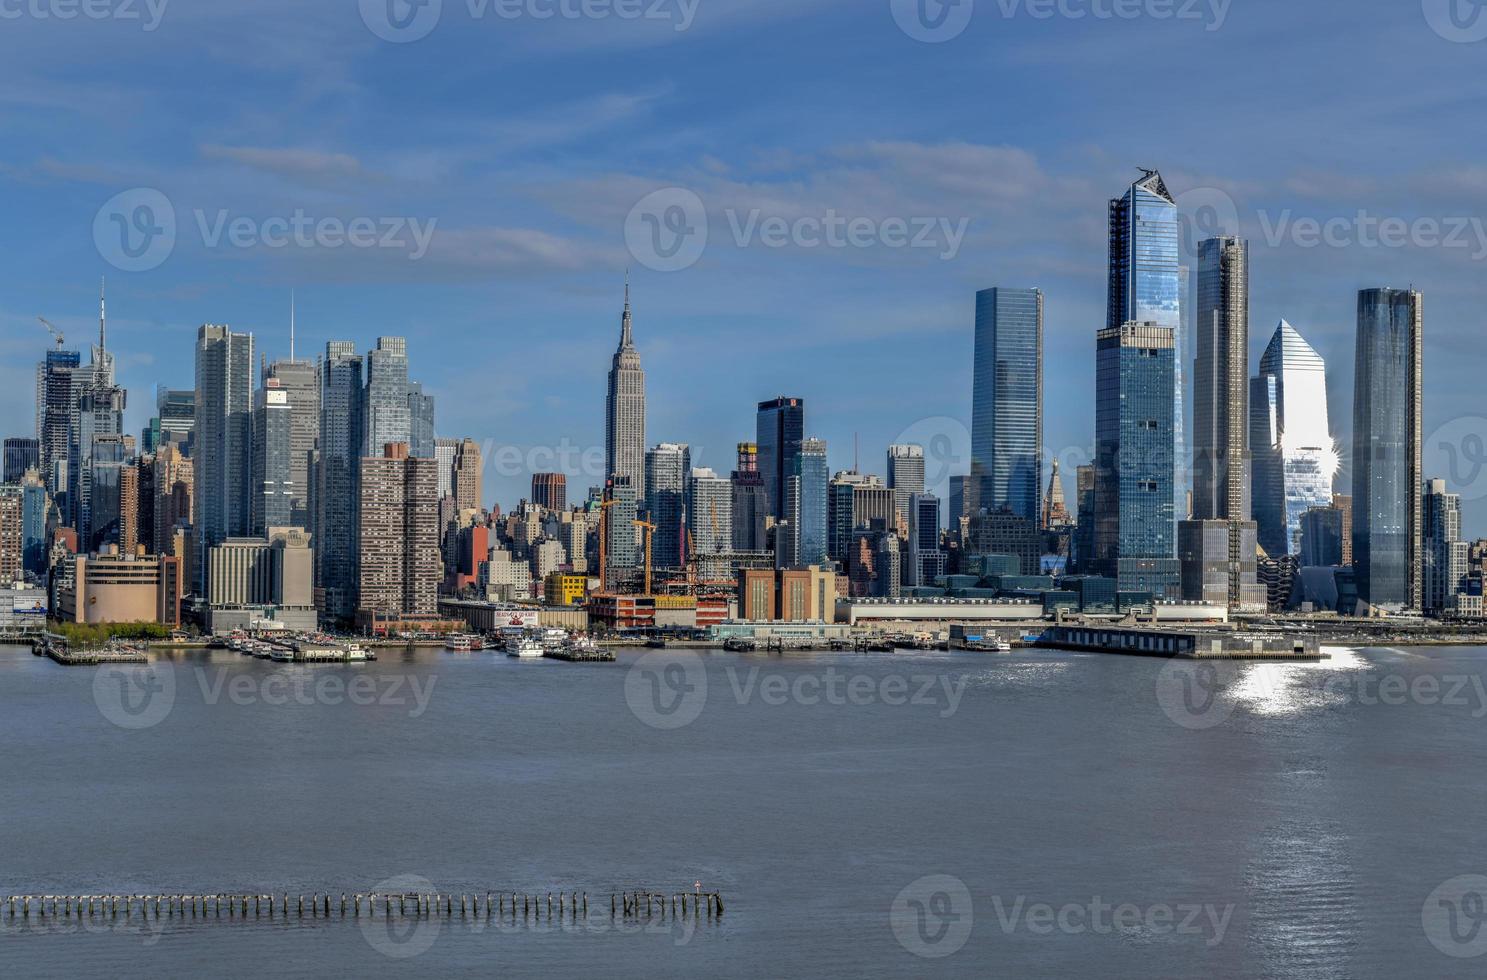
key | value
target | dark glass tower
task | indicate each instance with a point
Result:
(781, 429)
(1135, 530)
(337, 479)
(1387, 483)
(1007, 402)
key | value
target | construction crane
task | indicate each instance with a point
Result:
(650, 537)
(603, 542)
(51, 329)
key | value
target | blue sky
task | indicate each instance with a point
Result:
(528, 142)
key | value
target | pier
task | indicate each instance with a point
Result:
(516, 906)
(574, 656)
(55, 648)
(1183, 644)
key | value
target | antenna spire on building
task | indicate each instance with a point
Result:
(291, 324)
(102, 315)
(626, 338)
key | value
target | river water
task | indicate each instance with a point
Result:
(936, 814)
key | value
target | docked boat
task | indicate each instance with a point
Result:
(524, 647)
(356, 653)
(281, 655)
(582, 644)
(656, 643)
(463, 643)
(554, 638)
(1001, 646)
(740, 644)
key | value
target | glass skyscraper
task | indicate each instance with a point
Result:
(808, 504)
(224, 437)
(1387, 484)
(273, 460)
(1290, 440)
(666, 470)
(1135, 522)
(1007, 402)
(420, 422)
(385, 413)
(780, 431)
(1146, 285)
(55, 403)
(337, 477)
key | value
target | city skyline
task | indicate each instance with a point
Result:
(533, 262)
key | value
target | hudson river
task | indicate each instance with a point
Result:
(939, 814)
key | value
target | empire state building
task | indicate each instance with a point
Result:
(624, 446)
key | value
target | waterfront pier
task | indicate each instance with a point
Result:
(1183, 644)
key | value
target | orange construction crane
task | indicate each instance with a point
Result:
(603, 536)
(650, 537)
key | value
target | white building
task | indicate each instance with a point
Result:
(710, 513)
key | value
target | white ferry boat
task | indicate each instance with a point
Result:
(554, 638)
(524, 647)
(463, 643)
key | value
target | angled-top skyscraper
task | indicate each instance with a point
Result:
(1290, 439)
(624, 428)
(1146, 286)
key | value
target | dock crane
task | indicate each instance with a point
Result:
(52, 329)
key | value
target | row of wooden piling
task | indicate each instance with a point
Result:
(645, 904)
(633, 904)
